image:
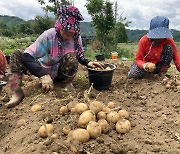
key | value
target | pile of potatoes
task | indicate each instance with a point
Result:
(107, 68)
(94, 119)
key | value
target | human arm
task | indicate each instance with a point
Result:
(82, 60)
(139, 58)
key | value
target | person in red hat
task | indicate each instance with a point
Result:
(155, 51)
(54, 56)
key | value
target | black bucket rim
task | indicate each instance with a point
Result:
(2, 83)
(114, 67)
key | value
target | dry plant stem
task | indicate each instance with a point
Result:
(91, 87)
(115, 109)
(98, 95)
(35, 98)
(66, 99)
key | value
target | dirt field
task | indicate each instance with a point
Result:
(153, 107)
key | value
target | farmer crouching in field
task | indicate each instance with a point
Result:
(3, 65)
(54, 56)
(155, 51)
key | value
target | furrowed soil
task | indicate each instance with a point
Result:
(153, 106)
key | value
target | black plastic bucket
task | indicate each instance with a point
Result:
(100, 57)
(101, 79)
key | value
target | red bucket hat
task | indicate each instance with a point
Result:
(69, 18)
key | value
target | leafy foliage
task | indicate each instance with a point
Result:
(103, 19)
(52, 5)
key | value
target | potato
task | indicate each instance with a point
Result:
(36, 107)
(79, 134)
(73, 110)
(63, 110)
(94, 129)
(151, 66)
(66, 129)
(123, 114)
(111, 105)
(108, 68)
(112, 116)
(85, 118)
(45, 130)
(101, 115)
(54, 136)
(72, 104)
(123, 126)
(106, 109)
(96, 106)
(168, 86)
(81, 107)
(104, 125)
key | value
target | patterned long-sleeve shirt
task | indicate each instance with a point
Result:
(46, 52)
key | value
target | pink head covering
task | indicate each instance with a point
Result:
(69, 19)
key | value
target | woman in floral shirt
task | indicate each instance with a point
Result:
(54, 56)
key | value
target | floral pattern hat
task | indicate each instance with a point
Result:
(69, 18)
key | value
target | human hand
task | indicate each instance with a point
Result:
(149, 67)
(47, 83)
(94, 64)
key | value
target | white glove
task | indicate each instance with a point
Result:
(47, 83)
(95, 64)
(149, 67)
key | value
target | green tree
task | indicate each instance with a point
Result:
(103, 20)
(2, 25)
(53, 5)
(119, 32)
(42, 23)
(25, 28)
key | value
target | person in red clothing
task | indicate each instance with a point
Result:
(3, 64)
(155, 51)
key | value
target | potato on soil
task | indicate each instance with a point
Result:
(63, 110)
(106, 109)
(111, 105)
(45, 130)
(123, 114)
(112, 116)
(79, 134)
(85, 118)
(104, 125)
(96, 106)
(101, 115)
(72, 104)
(36, 107)
(94, 129)
(123, 126)
(66, 129)
(81, 107)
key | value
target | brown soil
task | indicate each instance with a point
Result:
(154, 115)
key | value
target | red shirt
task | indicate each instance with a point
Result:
(154, 55)
(3, 63)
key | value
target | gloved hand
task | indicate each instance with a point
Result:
(95, 64)
(47, 83)
(149, 67)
